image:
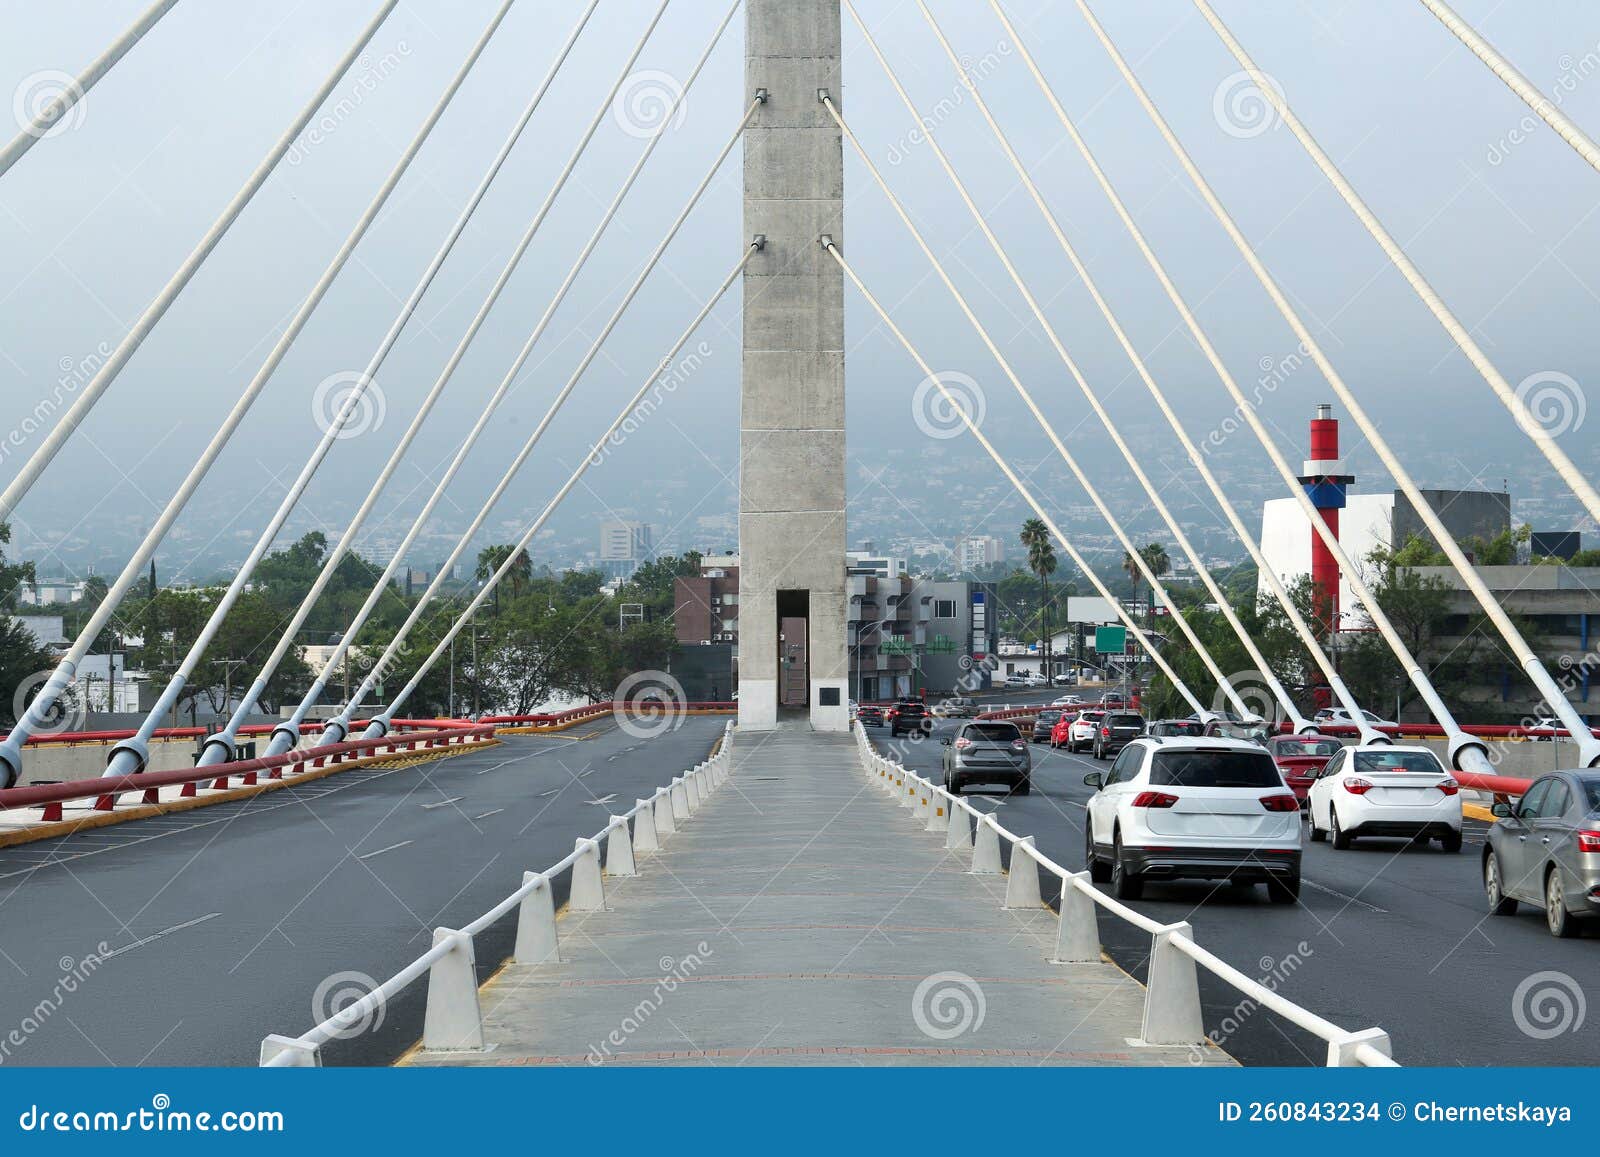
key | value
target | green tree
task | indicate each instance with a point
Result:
(1041, 550)
(517, 579)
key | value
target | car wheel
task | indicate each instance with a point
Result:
(1341, 838)
(1099, 870)
(1556, 916)
(952, 785)
(1450, 841)
(1284, 890)
(1023, 788)
(1494, 888)
(1127, 885)
(1317, 834)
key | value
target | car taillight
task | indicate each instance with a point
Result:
(1588, 841)
(1154, 799)
(1280, 803)
(1358, 786)
(1019, 745)
(1105, 731)
(1450, 787)
(963, 742)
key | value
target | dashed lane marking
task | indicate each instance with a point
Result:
(428, 807)
(390, 848)
(151, 939)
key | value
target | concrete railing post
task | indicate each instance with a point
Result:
(1172, 998)
(1078, 936)
(691, 790)
(453, 1020)
(588, 889)
(986, 848)
(938, 812)
(619, 849)
(1342, 1052)
(537, 942)
(680, 799)
(959, 837)
(908, 791)
(300, 1055)
(644, 827)
(666, 825)
(1022, 885)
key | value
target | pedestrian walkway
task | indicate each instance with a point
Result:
(801, 917)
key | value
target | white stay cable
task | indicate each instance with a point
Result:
(48, 117)
(1462, 746)
(339, 726)
(956, 405)
(1061, 449)
(1291, 712)
(219, 747)
(1268, 574)
(1546, 108)
(380, 725)
(130, 756)
(1507, 394)
(156, 310)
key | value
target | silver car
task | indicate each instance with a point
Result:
(1545, 851)
(990, 753)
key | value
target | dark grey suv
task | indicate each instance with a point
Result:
(990, 752)
(1116, 731)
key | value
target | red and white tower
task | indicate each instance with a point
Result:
(1326, 483)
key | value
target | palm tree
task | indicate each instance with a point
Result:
(1155, 558)
(492, 558)
(1035, 537)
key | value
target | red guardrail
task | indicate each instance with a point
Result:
(105, 791)
(605, 708)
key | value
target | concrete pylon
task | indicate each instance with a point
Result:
(791, 443)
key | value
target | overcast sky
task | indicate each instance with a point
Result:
(94, 220)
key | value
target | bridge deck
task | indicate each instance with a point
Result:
(800, 917)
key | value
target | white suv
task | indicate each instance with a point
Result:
(1201, 809)
(1385, 791)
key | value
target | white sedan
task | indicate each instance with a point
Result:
(1068, 701)
(1385, 791)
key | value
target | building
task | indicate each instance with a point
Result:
(49, 594)
(47, 630)
(623, 546)
(1561, 544)
(706, 606)
(916, 635)
(979, 550)
(866, 562)
(1562, 607)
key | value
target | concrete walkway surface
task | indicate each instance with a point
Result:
(800, 917)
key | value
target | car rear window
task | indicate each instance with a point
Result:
(1306, 747)
(1125, 720)
(1048, 716)
(1375, 762)
(1214, 769)
(1591, 791)
(994, 732)
(1092, 716)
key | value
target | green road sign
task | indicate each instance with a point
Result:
(1111, 640)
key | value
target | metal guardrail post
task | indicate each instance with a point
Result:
(680, 799)
(588, 889)
(644, 827)
(1078, 936)
(296, 1054)
(453, 1020)
(537, 942)
(1022, 884)
(1172, 993)
(619, 849)
(985, 848)
(666, 823)
(959, 836)
(1342, 1053)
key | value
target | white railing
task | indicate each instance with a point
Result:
(1172, 1014)
(453, 1021)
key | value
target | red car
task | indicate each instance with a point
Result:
(1299, 758)
(1061, 733)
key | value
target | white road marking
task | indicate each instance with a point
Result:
(486, 815)
(428, 807)
(602, 801)
(548, 794)
(380, 851)
(1342, 896)
(158, 935)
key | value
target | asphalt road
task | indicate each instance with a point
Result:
(223, 923)
(1386, 934)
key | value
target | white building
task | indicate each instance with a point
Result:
(860, 562)
(49, 594)
(626, 540)
(1365, 524)
(979, 550)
